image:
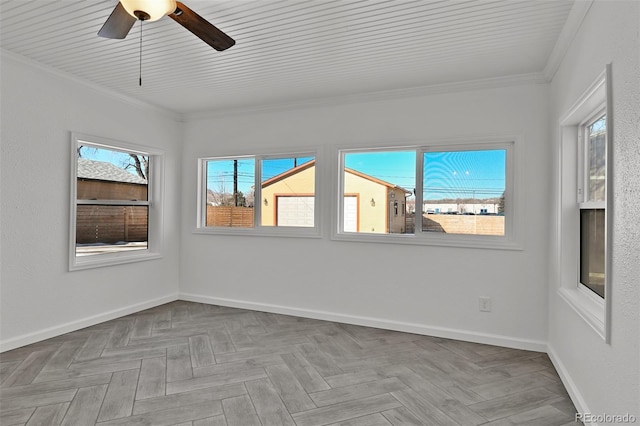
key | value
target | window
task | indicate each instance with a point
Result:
(372, 184)
(458, 194)
(288, 191)
(259, 194)
(467, 188)
(229, 192)
(113, 211)
(585, 206)
(592, 203)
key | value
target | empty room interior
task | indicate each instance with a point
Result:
(327, 212)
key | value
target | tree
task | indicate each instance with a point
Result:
(241, 201)
(140, 163)
(501, 203)
(250, 198)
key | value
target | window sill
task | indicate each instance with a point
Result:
(98, 261)
(462, 241)
(589, 309)
(261, 232)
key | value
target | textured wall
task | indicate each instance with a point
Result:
(606, 377)
(433, 288)
(39, 295)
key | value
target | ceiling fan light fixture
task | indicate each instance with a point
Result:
(155, 9)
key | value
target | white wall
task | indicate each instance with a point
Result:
(438, 291)
(604, 378)
(40, 297)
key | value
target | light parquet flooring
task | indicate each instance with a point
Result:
(193, 364)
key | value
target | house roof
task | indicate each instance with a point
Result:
(311, 163)
(102, 170)
(376, 180)
(288, 173)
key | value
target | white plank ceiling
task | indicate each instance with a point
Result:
(288, 50)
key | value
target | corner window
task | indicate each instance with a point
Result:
(259, 194)
(459, 194)
(112, 213)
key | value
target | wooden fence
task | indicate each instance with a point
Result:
(229, 216)
(464, 224)
(111, 224)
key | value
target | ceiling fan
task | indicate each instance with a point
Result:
(127, 12)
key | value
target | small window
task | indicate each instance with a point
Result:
(592, 204)
(112, 203)
(373, 184)
(288, 192)
(229, 192)
(262, 194)
(464, 192)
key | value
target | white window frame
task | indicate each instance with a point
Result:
(593, 103)
(258, 229)
(155, 191)
(511, 240)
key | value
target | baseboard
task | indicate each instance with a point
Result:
(448, 333)
(569, 384)
(47, 333)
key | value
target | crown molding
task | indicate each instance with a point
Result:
(410, 92)
(571, 27)
(6, 54)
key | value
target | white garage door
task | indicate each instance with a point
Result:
(295, 211)
(350, 214)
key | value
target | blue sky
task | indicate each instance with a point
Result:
(456, 174)
(220, 172)
(397, 167)
(464, 174)
(118, 158)
(453, 174)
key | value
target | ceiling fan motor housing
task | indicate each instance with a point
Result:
(149, 10)
(141, 15)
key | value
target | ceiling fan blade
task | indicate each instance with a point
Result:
(202, 28)
(118, 23)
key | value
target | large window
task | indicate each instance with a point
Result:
(461, 193)
(112, 212)
(271, 194)
(592, 203)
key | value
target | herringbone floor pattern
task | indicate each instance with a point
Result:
(194, 364)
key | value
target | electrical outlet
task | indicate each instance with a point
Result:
(484, 304)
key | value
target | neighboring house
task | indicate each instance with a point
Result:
(106, 224)
(106, 181)
(370, 204)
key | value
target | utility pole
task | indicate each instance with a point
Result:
(235, 183)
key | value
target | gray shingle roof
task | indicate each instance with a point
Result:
(102, 170)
